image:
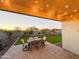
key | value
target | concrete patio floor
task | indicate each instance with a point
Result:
(48, 52)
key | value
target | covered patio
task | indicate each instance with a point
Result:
(66, 11)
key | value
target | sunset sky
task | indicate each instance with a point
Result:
(11, 20)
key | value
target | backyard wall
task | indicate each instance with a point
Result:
(70, 36)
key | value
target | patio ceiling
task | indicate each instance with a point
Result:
(60, 10)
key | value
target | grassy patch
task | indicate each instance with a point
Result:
(19, 41)
(52, 39)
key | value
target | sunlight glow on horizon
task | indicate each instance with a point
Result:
(11, 20)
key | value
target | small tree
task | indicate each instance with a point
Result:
(45, 31)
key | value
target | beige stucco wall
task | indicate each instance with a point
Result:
(70, 36)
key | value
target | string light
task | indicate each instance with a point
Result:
(47, 5)
(59, 16)
(49, 14)
(41, 9)
(71, 16)
(65, 13)
(66, 6)
(2, 0)
(6, 2)
(36, 1)
(34, 7)
(75, 10)
(34, 10)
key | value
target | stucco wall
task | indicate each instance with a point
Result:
(70, 36)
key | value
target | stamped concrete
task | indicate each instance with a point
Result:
(48, 52)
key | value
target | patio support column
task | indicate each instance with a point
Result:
(70, 36)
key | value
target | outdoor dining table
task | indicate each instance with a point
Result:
(33, 39)
(37, 42)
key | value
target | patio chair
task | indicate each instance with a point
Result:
(42, 43)
(34, 44)
(44, 38)
(25, 47)
(30, 39)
